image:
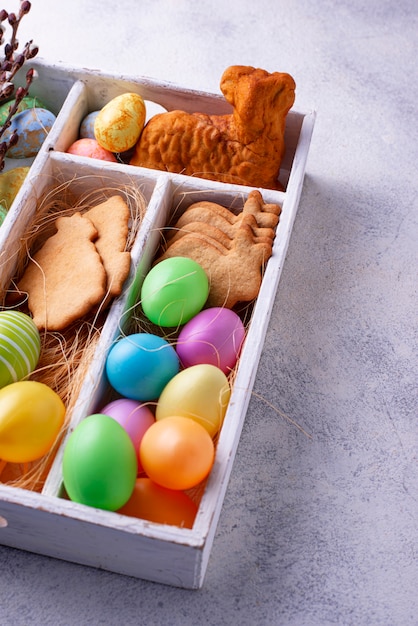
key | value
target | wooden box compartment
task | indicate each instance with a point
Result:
(45, 521)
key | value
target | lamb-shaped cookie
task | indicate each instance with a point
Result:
(234, 274)
(244, 147)
(66, 277)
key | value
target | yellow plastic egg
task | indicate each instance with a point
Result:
(31, 417)
(200, 392)
(120, 122)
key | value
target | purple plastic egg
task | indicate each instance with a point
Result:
(134, 417)
(214, 336)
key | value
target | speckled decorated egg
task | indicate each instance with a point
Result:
(120, 122)
(87, 126)
(10, 183)
(20, 346)
(32, 127)
(28, 102)
(88, 147)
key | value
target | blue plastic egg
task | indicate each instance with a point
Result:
(140, 365)
(32, 127)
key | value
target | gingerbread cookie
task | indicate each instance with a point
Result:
(234, 273)
(66, 277)
(111, 219)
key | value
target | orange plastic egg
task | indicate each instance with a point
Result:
(158, 504)
(177, 452)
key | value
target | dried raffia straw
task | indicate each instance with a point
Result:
(65, 357)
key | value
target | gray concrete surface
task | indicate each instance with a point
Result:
(320, 528)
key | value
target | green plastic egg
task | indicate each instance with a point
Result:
(174, 291)
(100, 463)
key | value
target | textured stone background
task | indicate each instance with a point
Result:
(317, 528)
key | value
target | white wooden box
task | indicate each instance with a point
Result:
(46, 523)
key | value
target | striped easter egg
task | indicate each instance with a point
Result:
(20, 346)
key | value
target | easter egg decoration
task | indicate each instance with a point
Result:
(3, 213)
(140, 365)
(200, 392)
(31, 418)
(174, 291)
(120, 122)
(99, 463)
(213, 336)
(88, 147)
(177, 453)
(20, 346)
(27, 102)
(32, 127)
(87, 126)
(135, 418)
(154, 503)
(10, 183)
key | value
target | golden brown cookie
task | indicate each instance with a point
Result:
(66, 277)
(111, 219)
(262, 217)
(245, 147)
(234, 273)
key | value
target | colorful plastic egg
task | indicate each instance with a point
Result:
(140, 365)
(90, 148)
(134, 417)
(10, 183)
(177, 453)
(120, 122)
(3, 213)
(31, 418)
(212, 336)
(20, 346)
(174, 291)
(99, 463)
(200, 392)
(27, 102)
(158, 504)
(87, 126)
(32, 127)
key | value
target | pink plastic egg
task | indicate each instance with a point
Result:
(134, 417)
(214, 336)
(88, 147)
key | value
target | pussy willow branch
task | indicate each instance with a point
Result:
(11, 63)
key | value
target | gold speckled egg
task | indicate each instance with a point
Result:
(10, 183)
(120, 122)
